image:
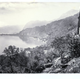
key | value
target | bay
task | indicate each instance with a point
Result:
(6, 41)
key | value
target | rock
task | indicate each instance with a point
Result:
(57, 61)
(58, 70)
(73, 66)
(47, 70)
(48, 65)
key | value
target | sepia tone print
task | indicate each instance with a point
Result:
(39, 37)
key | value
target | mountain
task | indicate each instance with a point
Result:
(35, 23)
(9, 29)
(54, 29)
(69, 13)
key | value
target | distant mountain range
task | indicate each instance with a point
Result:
(9, 29)
(32, 24)
(69, 13)
(42, 32)
(49, 31)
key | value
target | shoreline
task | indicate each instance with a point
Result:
(8, 34)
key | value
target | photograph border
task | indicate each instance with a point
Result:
(40, 76)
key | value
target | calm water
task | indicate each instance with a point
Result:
(5, 41)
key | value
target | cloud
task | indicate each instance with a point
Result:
(5, 8)
(23, 12)
(9, 7)
(2, 24)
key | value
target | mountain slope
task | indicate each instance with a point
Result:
(50, 31)
(9, 29)
(69, 13)
(35, 23)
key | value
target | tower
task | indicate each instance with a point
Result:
(78, 28)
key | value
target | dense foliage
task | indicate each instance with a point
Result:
(59, 57)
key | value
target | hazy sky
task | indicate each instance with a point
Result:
(19, 14)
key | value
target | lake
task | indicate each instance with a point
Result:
(5, 41)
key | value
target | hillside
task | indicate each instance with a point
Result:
(35, 23)
(50, 31)
(61, 56)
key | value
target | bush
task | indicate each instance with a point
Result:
(13, 63)
(61, 44)
(67, 46)
(36, 60)
(74, 47)
(16, 61)
(11, 50)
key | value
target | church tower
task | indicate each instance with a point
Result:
(78, 28)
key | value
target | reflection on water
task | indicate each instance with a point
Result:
(5, 41)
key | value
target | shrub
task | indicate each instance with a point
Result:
(74, 47)
(67, 46)
(61, 44)
(11, 50)
(36, 60)
(16, 63)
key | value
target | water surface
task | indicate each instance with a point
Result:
(5, 41)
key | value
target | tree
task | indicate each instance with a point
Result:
(78, 24)
(74, 47)
(11, 50)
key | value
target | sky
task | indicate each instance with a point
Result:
(19, 14)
